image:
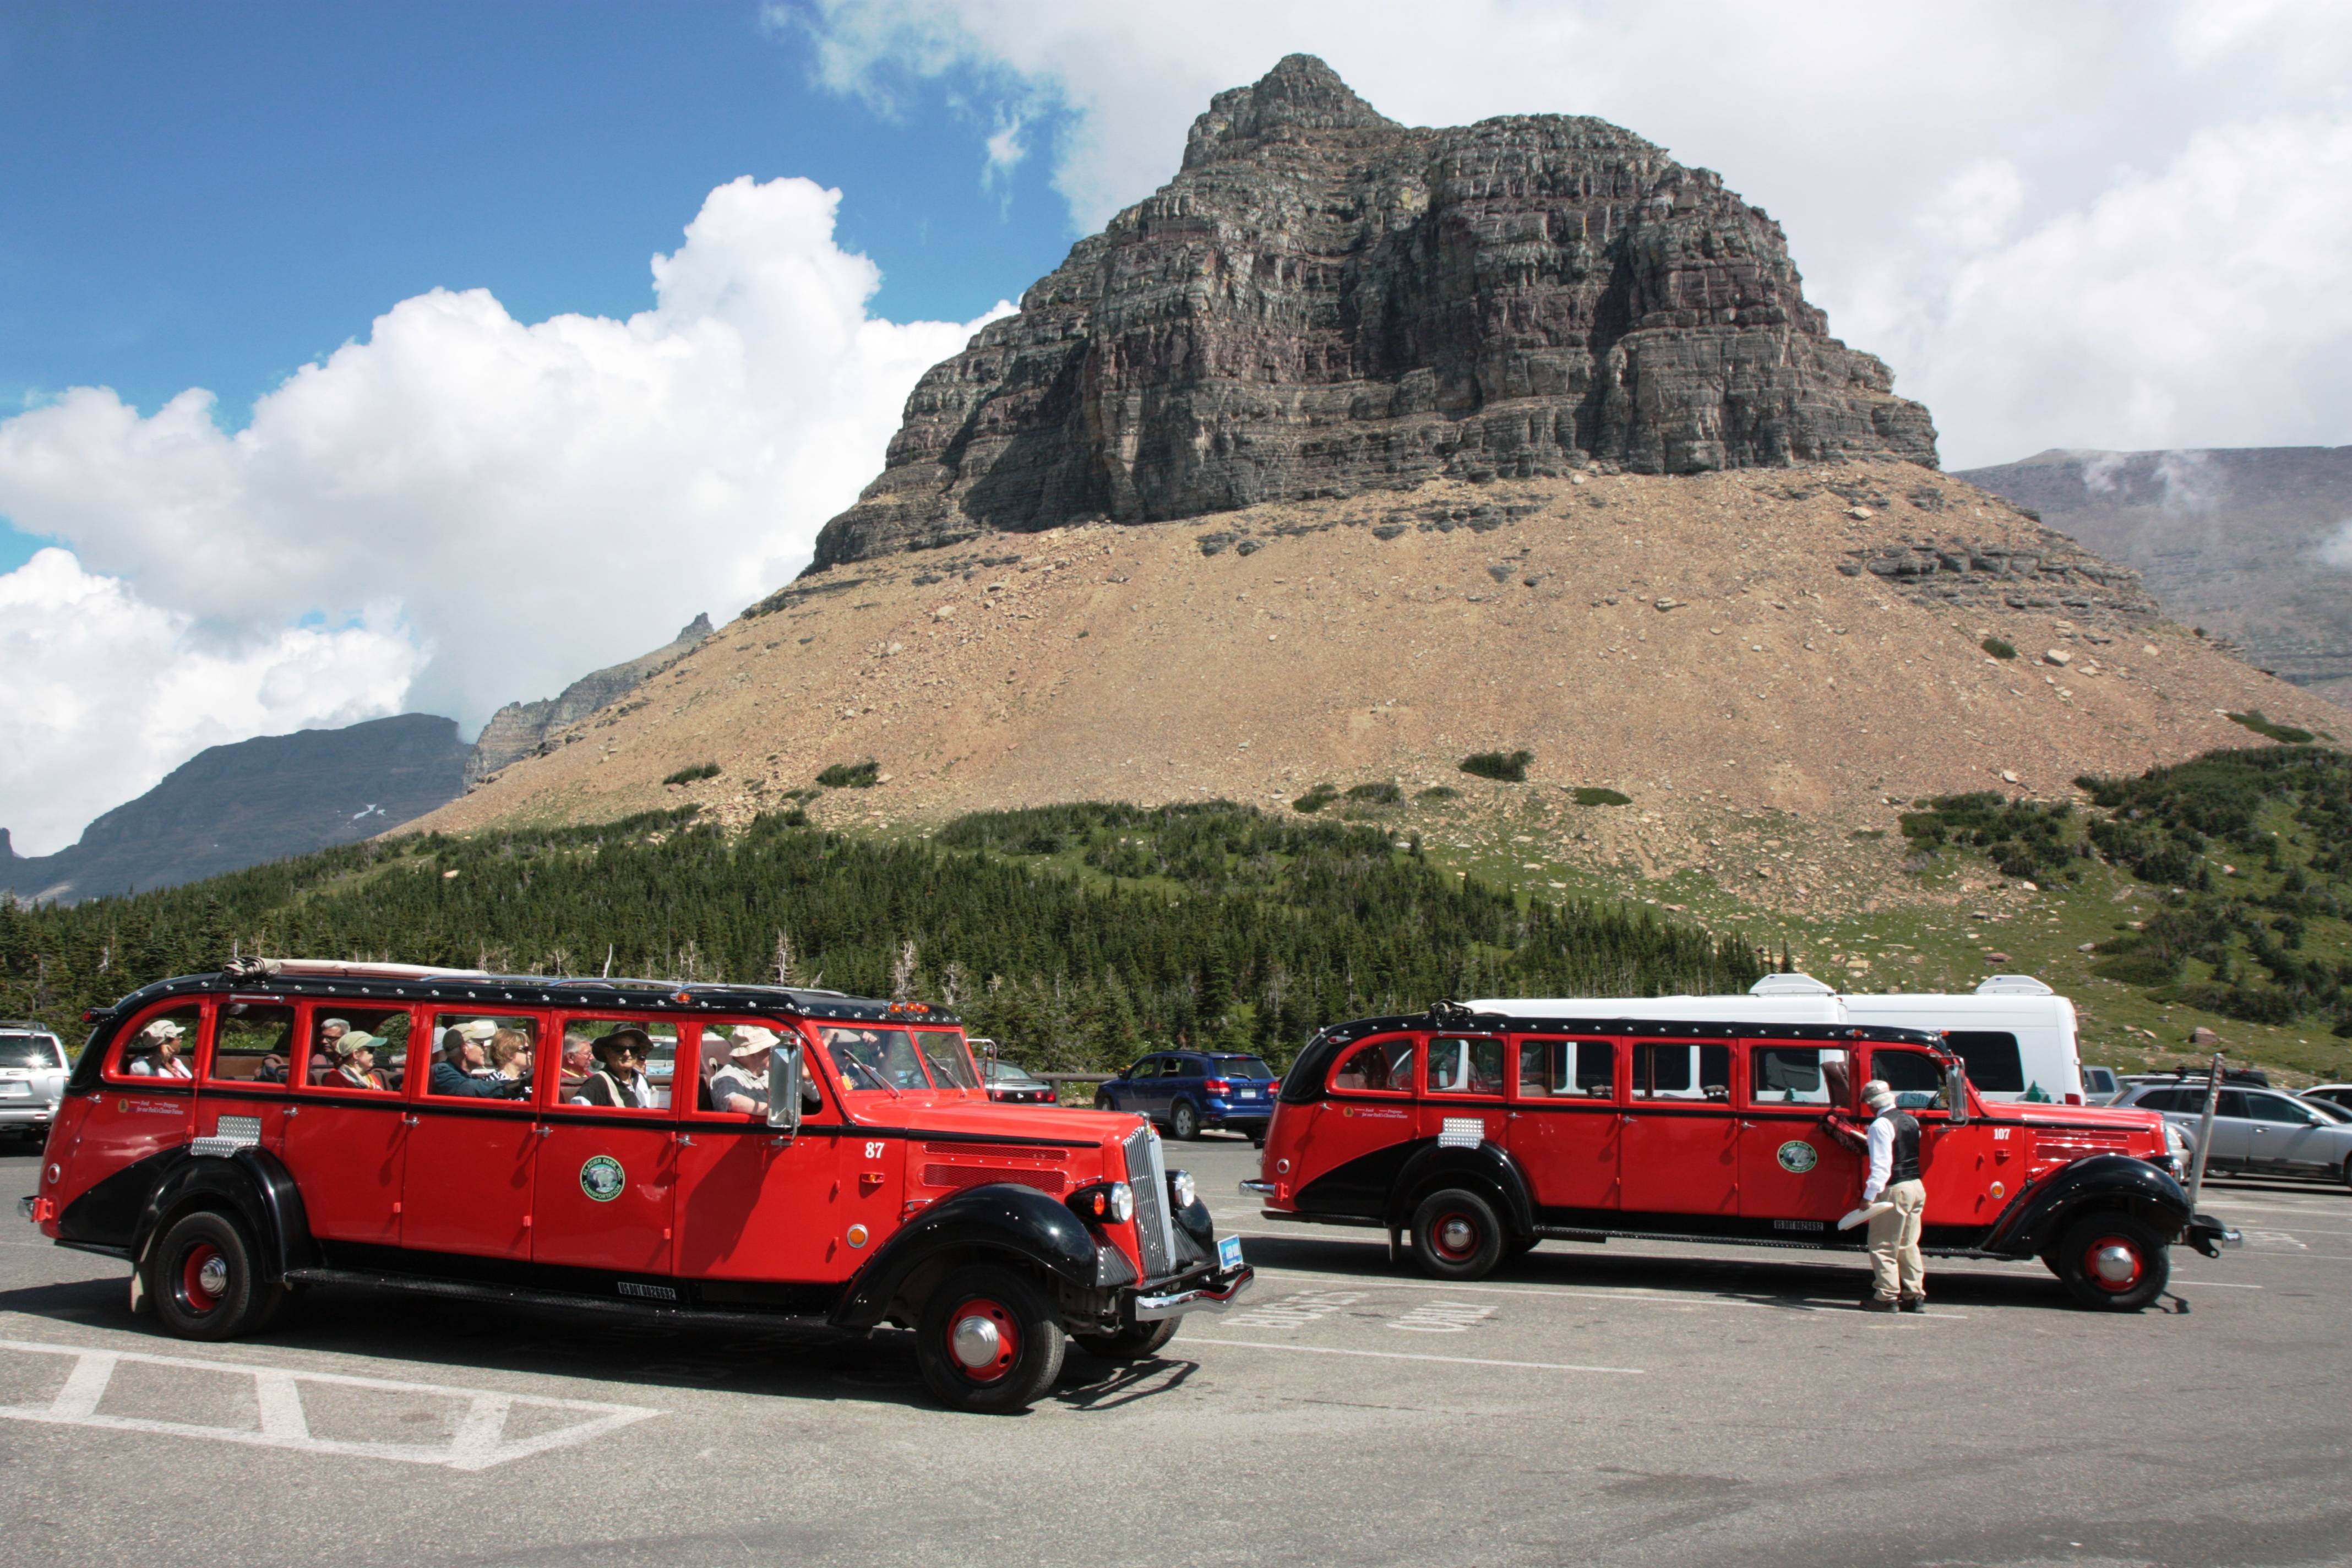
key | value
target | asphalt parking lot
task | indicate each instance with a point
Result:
(1637, 1403)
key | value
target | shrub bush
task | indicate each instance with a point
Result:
(1376, 794)
(1590, 794)
(1999, 648)
(1316, 799)
(690, 775)
(1505, 767)
(2253, 719)
(1439, 792)
(850, 775)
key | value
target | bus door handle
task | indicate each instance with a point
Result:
(409, 1120)
(683, 1140)
(542, 1130)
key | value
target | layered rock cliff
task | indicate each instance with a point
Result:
(1324, 302)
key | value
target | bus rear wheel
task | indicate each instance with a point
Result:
(989, 1341)
(202, 1279)
(1456, 1235)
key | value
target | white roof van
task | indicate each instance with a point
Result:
(2015, 1033)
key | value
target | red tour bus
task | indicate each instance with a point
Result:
(681, 1149)
(1473, 1136)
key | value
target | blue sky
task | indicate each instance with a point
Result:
(211, 196)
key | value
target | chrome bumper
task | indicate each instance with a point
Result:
(1261, 1191)
(1213, 1296)
(2209, 1236)
(24, 1206)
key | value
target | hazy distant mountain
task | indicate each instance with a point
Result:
(2253, 544)
(521, 728)
(233, 807)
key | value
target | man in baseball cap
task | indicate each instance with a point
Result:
(462, 1049)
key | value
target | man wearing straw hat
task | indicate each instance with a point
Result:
(741, 1085)
(1893, 1199)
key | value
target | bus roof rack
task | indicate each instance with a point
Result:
(1797, 984)
(2013, 985)
(259, 968)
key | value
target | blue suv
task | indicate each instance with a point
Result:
(1187, 1090)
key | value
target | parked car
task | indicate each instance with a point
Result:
(1008, 1085)
(1472, 1136)
(869, 1181)
(1185, 1091)
(2335, 1093)
(2328, 1109)
(2100, 1085)
(32, 1077)
(2256, 1131)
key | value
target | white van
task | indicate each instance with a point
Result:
(2015, 1033)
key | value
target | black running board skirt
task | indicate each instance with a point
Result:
(522, 1296)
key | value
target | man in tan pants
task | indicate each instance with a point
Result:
(1898, 1275)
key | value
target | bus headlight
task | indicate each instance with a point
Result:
(1103, 1202)
(1181, 1188)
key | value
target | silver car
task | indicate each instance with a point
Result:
(2262, 1132)
(32, 1078)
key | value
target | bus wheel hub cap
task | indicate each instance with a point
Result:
(977, 1342)
(1456, 1235)
(212, 1274)
(2116, 1264)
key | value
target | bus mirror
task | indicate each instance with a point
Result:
(784, 1088)
(1956, 1090)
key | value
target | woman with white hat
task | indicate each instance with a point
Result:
(160, 1039)
(741, 1085)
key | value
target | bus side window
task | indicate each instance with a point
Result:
(1676, 1070)
(162, 1045)
(1580, 1067)
(1378, 1066)
(1915, 1078)
(1994, 1065)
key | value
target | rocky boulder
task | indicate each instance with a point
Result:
(1324, 302)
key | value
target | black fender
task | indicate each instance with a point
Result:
(2031, 1223)
(1193, 1220)
(999, 1221)
(1484, 1168)
(247, 1182)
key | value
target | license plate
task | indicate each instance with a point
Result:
(16, 1091)
(1246, 1094)
(1229, 1253)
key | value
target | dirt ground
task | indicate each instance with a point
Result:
(1689, 642)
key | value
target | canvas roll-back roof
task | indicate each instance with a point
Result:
(352, 981)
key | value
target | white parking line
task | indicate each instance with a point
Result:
(1557, 1292)
(478, 1442)
(2213, 1285)
(1191, 1339)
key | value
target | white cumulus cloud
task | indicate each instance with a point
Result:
(107, 693)
(518, 504)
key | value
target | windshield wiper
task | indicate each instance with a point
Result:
(878, 1076)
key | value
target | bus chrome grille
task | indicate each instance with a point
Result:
(1148, 1176)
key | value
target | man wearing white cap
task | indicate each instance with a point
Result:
(1898, 1275)
(741, 1085)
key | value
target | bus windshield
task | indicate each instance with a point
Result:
(874, 1058)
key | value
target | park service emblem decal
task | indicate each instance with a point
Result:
(1797, 1156)
(601, 1178)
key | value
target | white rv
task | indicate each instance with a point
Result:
(2015, 1033)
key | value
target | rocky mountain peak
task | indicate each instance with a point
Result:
(1324, 302)
(1301, 92)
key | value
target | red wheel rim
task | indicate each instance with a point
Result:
(202, 1277)
(983, 1340)
(1454, 1236)
(2114, 1263)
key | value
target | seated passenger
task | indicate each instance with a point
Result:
(354, 1055)
(462, 1058)
(619, 1080)
(741, 1085)
(578, 1062)
(160, 1042)
(509, 1057)
(323, 1057)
